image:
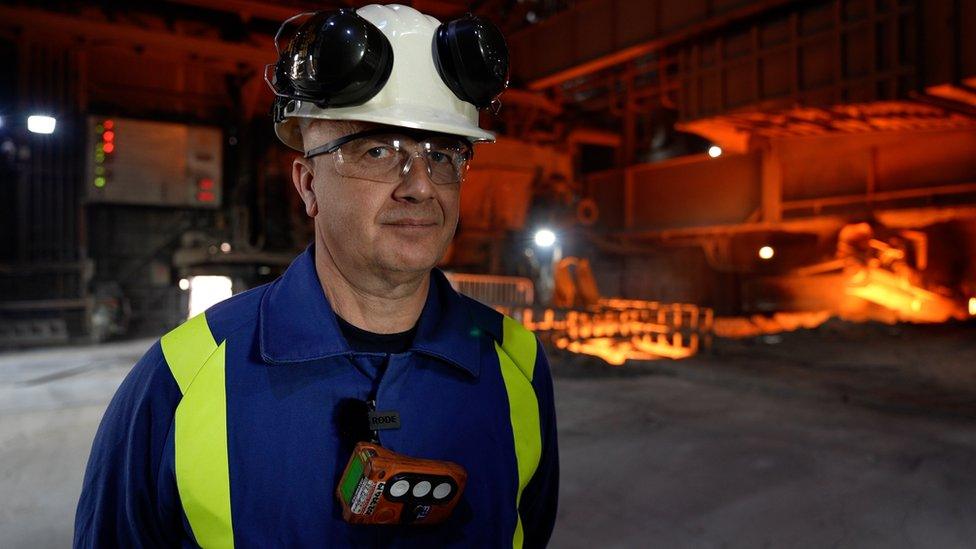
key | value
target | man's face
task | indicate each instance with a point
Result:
(369, 226)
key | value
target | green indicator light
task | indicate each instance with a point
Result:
(99, 182)
(99, 148)
(99, 170)
(99, 157)
(99, 128)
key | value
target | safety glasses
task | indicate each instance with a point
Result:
(386, 156)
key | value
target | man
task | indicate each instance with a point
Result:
(233, 429)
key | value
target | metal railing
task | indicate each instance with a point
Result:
(506, 291)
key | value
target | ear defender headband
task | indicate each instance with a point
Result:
(339, 59)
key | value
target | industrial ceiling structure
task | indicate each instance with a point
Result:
(657, 136)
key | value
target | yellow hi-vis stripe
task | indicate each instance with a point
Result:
(516, 355)
(202, 472)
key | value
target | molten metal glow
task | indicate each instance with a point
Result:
(738, 327)
(613, 352)
(622, 330)
(972, 306)
(715, 151)
(766, 252)
(896, 292)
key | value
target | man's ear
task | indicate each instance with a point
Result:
(303, 176)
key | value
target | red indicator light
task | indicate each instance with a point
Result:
(205, 184)
(109, 124)
(205, 196)
(108, 147)
(108, 136)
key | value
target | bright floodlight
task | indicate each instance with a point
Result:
(40, 123)
(544, 238)
(206, 291)
(766, 252)
(715, 151)
(972, 306)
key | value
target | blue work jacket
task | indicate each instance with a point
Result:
(226, 433)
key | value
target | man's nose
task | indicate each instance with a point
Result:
(415, 185)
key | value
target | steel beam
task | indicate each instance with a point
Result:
(38, 22)
(251, 8)
(771, 185)
(620, 56)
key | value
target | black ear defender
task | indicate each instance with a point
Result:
(335, 59)
(472, 58)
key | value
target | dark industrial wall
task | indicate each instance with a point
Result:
(837, 165)
(707, 57)
(833, 173)
(64, 255)
(8, 152)
(680, 275)
(44, 187)
(132, 249)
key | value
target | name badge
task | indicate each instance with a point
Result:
(384, 420)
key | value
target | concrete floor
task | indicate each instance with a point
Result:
(836, 437)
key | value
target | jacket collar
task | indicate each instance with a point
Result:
(297, 323)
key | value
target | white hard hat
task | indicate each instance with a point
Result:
(414, 73)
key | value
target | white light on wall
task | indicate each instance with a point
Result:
(206, 291)
(766, 252)
(544, 238)
(184, 284)
(714, 151)
(225, 247)
(39, 123)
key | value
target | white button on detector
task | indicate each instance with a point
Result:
(399, 488)
(442, 490)
(421, 489)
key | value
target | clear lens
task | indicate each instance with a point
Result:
(383, 158)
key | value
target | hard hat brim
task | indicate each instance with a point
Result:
(406, 116)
